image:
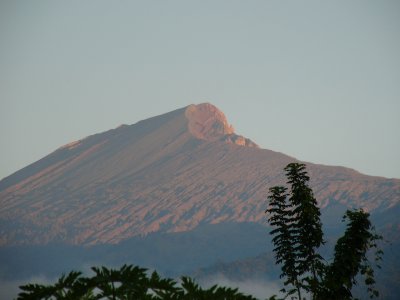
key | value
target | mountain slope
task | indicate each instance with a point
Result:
(177, 192)
(169, 173)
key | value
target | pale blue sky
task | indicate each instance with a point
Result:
(317, 80)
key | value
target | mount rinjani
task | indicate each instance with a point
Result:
(180, 193)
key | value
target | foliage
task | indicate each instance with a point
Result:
(298, 234)
(127, 283)
(350, 258)
(281, 217)
(298, 231)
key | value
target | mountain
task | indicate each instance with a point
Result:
(169, 173)
(178, 192)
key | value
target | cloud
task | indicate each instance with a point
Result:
(258, 288)
(9, 289)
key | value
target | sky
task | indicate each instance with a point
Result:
(317, 80)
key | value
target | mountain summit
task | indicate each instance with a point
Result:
(170, 173)
(209, 123)
(206, 121)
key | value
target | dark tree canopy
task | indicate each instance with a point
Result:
(297, 231)
(351, 258)
(127, 283)
(297, 236)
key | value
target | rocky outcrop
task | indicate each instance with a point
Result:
(207, 122)
(238, 140)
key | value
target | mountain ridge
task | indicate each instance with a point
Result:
(169, 173)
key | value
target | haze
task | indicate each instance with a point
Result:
(318, 81)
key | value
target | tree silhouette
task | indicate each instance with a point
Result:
(298, 234)
(127, 283)
(308, 236)
(350, 258)
(282, 218)
(298, 231)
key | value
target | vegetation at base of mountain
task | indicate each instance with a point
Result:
(297, 233)
(129, 282)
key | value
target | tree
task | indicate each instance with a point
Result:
(281, 217)
(127, 283)
(297, 231)
(351, 258)
(308, 236)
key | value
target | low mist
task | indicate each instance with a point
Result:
(258, 288)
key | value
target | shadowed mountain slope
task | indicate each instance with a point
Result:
(169, 173)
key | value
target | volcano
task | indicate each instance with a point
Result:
(170, 175)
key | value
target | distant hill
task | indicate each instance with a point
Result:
(174, 177)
